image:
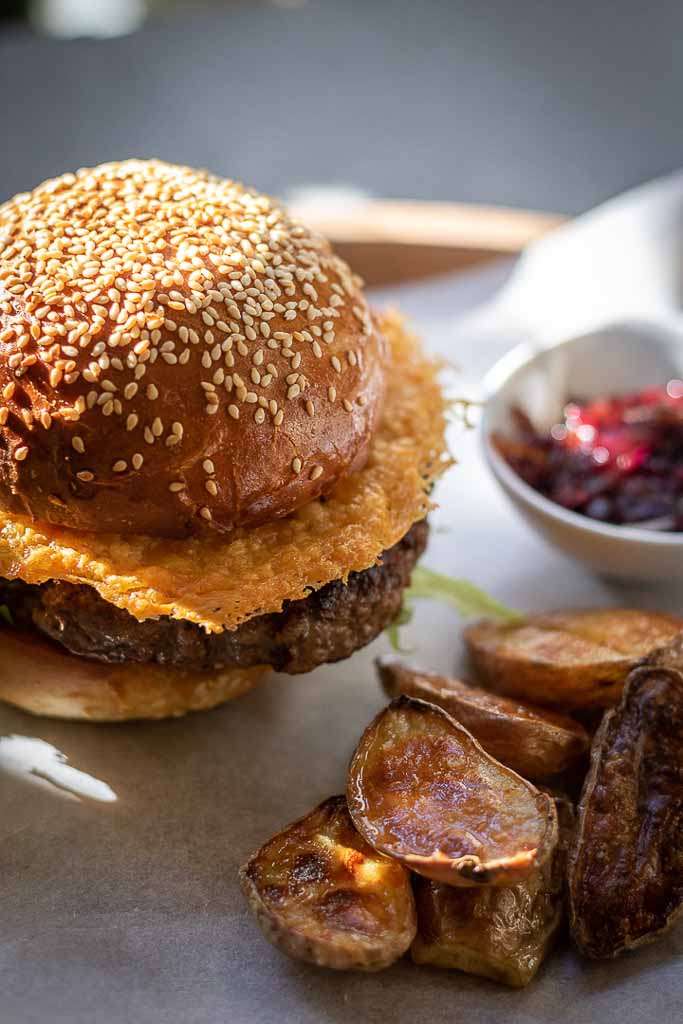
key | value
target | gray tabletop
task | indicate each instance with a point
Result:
(529, 103)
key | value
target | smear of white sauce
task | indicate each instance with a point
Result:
(39, 762)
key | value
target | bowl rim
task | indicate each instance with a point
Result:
(503, 371)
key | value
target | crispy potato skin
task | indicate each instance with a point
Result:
(321, 894)
(626, 866)
(533, 741)
(568, 659)
(502, 934)
(422, 790)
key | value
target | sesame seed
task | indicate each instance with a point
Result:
(21, 453)
(296, 464)
(78, 445)
(129, 244)
(316, 472)
(347, 405)
(8, 390)
(211, 487)
(86, 476)
(176, 486)
(120, 466)
(205, 513)
(332, 393)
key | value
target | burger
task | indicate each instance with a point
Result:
(215, 459)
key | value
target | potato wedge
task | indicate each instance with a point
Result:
(321, 894)
(498, 933)
(533, 741)
(422, 790)
(626, 865)
(576, 658)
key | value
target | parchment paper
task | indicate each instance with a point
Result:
(128, 911)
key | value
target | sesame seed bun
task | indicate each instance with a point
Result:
(176, 355)
(40, 678)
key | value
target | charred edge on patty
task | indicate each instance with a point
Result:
(327, 626)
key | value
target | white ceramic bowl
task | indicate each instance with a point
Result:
(611, 360)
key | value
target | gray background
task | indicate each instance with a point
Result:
(530, 102)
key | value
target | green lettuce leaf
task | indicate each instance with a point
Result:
(402, 619)
(468, 601)
(462, 595)
(6, 615)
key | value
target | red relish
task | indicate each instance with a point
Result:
(618, 459)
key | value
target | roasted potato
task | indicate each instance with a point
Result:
(532, 741)
(567, 659)
(321, 894)
(626, 866)
(499, 933)
(422, 790)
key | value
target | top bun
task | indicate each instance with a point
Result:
(176, 353)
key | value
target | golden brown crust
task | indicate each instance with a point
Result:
(176, 354)
(221, 582)
(568, 658)
(37, 676)
(320, 893)
(534, 742)
(422, 790)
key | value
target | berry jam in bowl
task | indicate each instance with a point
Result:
(586, 438)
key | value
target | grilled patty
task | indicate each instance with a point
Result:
(328, 625)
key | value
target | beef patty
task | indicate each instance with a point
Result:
(328, 625)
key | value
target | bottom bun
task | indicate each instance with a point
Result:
(37, 677)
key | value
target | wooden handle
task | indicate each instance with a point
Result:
(388, 241)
